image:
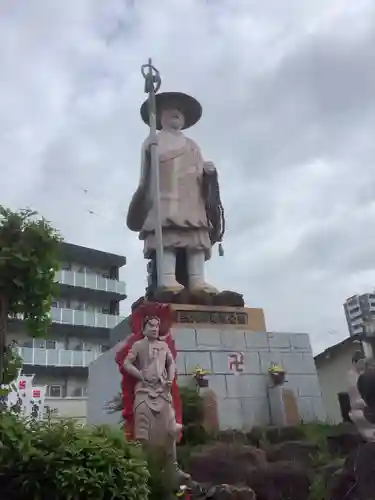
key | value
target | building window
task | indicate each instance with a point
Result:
(44, 344)
(27, 343)
(355, 310)
(39, 344)
(61, 303)
(352, 300)
(65, 266)
(113, 273)
(79, 392)
(106, 275)
(105, 310)
(54, 391)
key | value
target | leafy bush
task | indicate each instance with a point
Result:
(318, 489)
(162, 484)
(192, 406)
(39, 461)
(29, 259)
(12, 364)
(192, 416)
(115, 405)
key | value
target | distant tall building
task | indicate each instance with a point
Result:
(359, 310)
(83, 314)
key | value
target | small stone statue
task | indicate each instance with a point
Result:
(192, 217)
(151, 403)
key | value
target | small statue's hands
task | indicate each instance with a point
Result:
(144, 378)
(150, 381)
(209, 167)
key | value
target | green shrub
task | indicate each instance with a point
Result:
(192, 416)
(318, 490)
(162, 484)
(192, 406)
(194, 434)
(40, 461)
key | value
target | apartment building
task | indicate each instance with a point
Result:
(83, 314)
(360, 313)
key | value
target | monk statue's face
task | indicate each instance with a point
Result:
(151, 328)
(172, 119)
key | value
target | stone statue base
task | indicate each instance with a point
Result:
(197, 316)
(199, 298)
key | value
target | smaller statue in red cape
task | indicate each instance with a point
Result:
(151, 402)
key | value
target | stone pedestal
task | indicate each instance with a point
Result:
(238, 357)
(232, 344)
(210, 410)
(220, 316)
(283, 407)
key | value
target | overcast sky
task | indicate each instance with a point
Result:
(288, 96)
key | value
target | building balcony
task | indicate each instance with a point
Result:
(352, 302)
(355, 313)
(57, 357)
(357, 322)
(91, 282)
(84, 318)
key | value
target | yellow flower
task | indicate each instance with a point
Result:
(274, 368)
(199, 372)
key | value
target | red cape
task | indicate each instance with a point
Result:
(128, 382)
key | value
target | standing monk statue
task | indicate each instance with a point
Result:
(151, 403)
(191, 214)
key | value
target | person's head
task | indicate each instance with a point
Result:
(359, 361)
(172, 118)
(151, 327)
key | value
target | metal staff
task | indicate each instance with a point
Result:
(152, 85)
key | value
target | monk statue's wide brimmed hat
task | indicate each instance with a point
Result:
(188, 105)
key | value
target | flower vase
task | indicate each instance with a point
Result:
(278, 378)
(202, 382)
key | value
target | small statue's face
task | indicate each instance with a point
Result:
(172, 119)
(151, 329)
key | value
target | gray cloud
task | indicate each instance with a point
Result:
(289, 101)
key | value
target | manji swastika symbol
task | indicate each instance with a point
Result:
(236, 362)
